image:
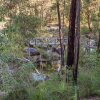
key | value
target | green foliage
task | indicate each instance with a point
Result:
(3, 41)
(55, 89)
(84, 30)
(89, 61)
(52, 90)
(89, 79)
(18, 94)
(24, 24)
(8, 82)
(14, 73)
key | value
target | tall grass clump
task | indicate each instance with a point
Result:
(89, 75)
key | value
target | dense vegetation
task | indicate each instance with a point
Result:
(23, 20)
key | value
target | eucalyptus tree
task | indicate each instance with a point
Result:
(74, 41)
(71, 34)
(74, 38)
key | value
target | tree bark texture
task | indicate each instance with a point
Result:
(76, 42)
(71, 34)
(74, 38)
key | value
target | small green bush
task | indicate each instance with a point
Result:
(18, 94)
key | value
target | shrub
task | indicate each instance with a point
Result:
(18, 94)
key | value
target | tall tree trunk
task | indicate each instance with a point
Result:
(76, 42)
(60, 34)
(73, 42)
(74, 38)
(71, 34)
